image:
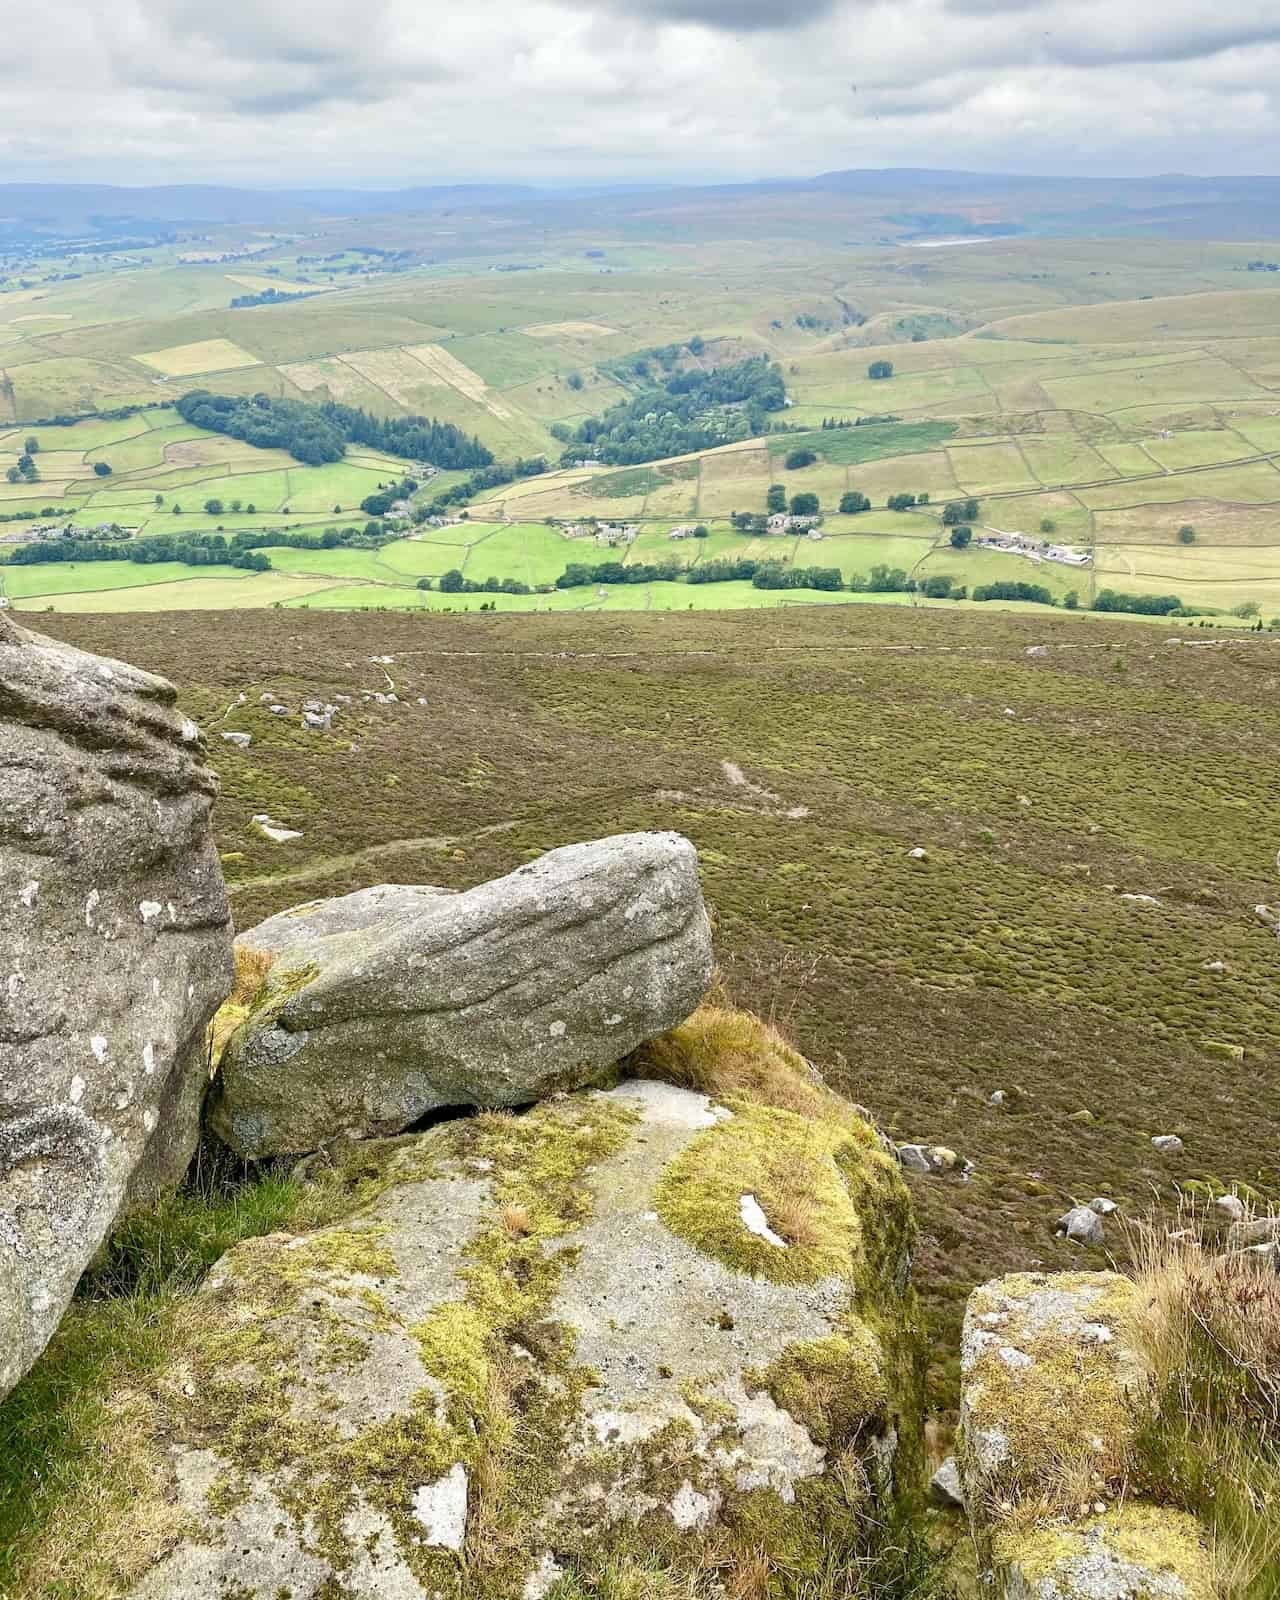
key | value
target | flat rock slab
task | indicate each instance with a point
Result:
(116, 941)
(502, 1358)
(393, 1002)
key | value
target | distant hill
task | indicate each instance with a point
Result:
(1170, 205)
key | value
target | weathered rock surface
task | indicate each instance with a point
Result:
(117, 949)
(393, 1002)
(1047, 1418)
(538, 1335)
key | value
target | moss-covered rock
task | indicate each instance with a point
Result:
(1050, 1400)
(492, 1353)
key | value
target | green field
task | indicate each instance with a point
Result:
(1116, 389)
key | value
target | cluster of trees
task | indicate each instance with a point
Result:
(453, 582)
(269, 297)
(776, 575)
(578, 575)
(904, 501)
(377, 505)
(319, 434)
(803, 457)
(853, 501)
(439, 444)
(683, 412)
(880, 369)
(956, 512)
(1035, 592)
(26, 470)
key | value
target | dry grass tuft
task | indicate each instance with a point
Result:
(252, 967)
(1207, 1328)
(516, 1220)
(720, 1052)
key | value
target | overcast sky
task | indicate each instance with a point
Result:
(376, 92)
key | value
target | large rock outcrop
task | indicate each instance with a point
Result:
(528, 1344)
(116, 947)
(1050, 1404)
(396, 1001)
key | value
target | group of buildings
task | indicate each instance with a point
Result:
(1021, 544)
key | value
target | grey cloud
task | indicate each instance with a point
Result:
(726, 16)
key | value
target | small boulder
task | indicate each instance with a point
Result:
(918, 854)
(242, 741)
(392, 1002)
(278, 711)
(1102, 1205)
(927, 1158)
(317, 721)
(997, 1097)
(944, 1487)
(1264, 1230)
(1037, 650)
(1082, 1225)
(1168, 1144)
(1230, 1207)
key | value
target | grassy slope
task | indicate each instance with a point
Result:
(1007, 960)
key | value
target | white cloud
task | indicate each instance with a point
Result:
(391, 91)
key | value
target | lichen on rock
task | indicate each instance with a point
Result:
(1050, 1404)
(117, 949)
(481, 1354)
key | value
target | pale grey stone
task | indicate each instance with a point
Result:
(675, 1416)
(1168, 1144)
(1082, 1225)
(945, 1488)
(391, 1003)
(1264, 1230)
(116, 944)
(242, 740)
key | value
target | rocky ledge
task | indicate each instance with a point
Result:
(643, 1317)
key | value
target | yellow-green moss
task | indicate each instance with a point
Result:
(1164, 1542)
(834, 1387)
(723, 1052)
(788, 1162)
(260, 994)
(1067, 1416)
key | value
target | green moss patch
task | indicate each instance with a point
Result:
(789, 1164)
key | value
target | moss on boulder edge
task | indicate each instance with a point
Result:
(483, 1358)
(1050, 1394)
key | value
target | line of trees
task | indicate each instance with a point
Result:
(316, 435)
(1142, 605)
(192, 550)
(491, 477)
(270, 297)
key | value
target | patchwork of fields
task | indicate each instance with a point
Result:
(1112, 393)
